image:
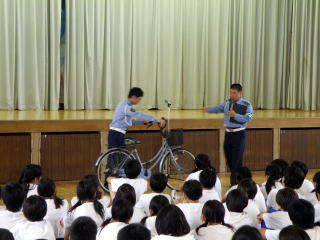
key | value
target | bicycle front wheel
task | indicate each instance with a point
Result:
(177, 165)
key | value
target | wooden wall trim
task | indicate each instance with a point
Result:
(35, 148)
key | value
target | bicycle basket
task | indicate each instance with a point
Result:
(175, 137)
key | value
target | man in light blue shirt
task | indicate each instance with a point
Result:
(237, 114)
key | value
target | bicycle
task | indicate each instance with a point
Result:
(174, 161)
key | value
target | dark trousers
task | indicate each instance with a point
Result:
(115, 139)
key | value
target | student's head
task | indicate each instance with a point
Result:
(208, 178)
(31, 173)
(157, 203)
(316, 179)
(284, 197)
(132, 169)
(47, 189)
(126, 191)
(34, 208)
(283, 164)
(293, 177)
(202, 162)
(135, 95)
(171, 221)
(301, 213)
(247, 233)
(293, 233)
(5, 234)
(13, 195)
(301, 165)
(122, 210)
(240, 174)
(273, 174)
(158, 182)
(192, 190)
(134, 231)
(236, 201)
(83, 228)
(235, 91)
(249, 187)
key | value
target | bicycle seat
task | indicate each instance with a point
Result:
(131, 141)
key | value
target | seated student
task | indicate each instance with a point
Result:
(158, 183)
(249, 187)
(283, 164)
(293, 233)
(301, 213)
(132, 170)
(30, 177)
(202, 162)
(208, 180)
(247, 233)
(243, 173)
(157, 203)
(35, 227)
(122, 211)
(317, 205)
(190, 206)
(273, 180)
(280, 219)
(57, 208)
(236, 202)
(5, 234)
(213, 223)
(171, 224)
(134, 231)
(13, 195)
(83, 228)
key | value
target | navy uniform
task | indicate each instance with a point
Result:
(234, 143)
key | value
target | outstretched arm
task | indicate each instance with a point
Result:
(217, 109)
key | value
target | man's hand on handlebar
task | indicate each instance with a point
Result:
(162, 122)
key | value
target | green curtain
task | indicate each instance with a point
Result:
(29, 54)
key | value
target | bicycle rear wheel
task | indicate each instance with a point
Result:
(177, 166)
(111, 163)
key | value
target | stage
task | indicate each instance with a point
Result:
(67, 143)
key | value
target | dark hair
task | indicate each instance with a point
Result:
(132, 169)
(316, 181)
(134, 231)
(236, 86)
(87, 191)
(293, 177)
(156, 204)
(214, 212)
(249, 187)
(301, 213)
(158, 182)
(202, 162)
(126, 191)
(247, 233)
(28, 174)
(273, 172)
(208, 178)
(240, 174)
(171, 221)
(285, 196)
(301, 165)
(236, 201)
(5, 234)
(13, 195)
(135, 91)
(283, 164)
(293, 233)
(34, 208)
(192, 189)
(83, 228)
(47, 189)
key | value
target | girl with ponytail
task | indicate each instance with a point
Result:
(273, 179)
(30, 177)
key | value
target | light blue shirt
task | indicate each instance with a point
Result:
(126, 116)
(241, 120)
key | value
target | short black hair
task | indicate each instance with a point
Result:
(285, 196)
(192, 189)
(5, 234)
(249, 187)
(202, 161)
(157, 203)
(316, 178)
(83, 228)
(293, 177)
(34, 208)
(126, 191)
(171, 221)
(283, 164)
(208, 178)
(236, 201)
(240, 174)
(236, 86)
(301, 213)
(158, 182)
(134, 231)
(247, 233)
(293, 233)
(13, 195)
(132, 169)
(135, 91)
(301, 165)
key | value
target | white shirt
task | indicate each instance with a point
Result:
(105, 201)
(192, 212)
(238, 220)
(306, 188)
(271, 199)
(10, 219)
(209, 194)
(219, 232)
(317, 212)
(314, 234)
(33, 190)
(140, 185)
(277, 185)
(151, 225)
(55, 216)
(110, 231)
(253, 211)
(145, 199)
(277, 220)
(137, 216)
(33, 230)
(166, 237)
